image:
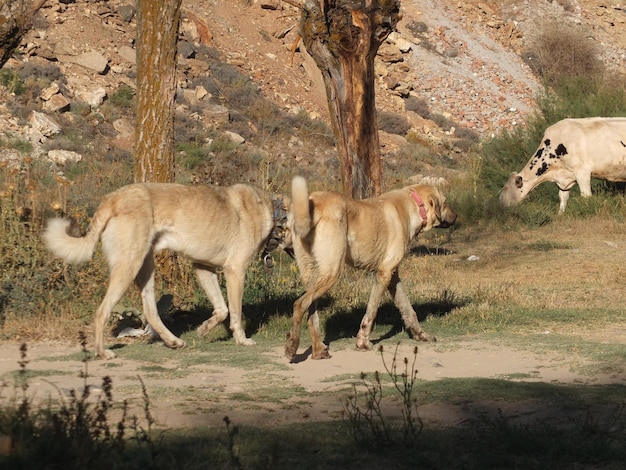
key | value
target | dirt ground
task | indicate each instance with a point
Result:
(587, 270)
(469, 360)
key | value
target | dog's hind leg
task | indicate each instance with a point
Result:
(118, 285)
(319, 349)
(406, 309)
(308, 303)
(145, 282)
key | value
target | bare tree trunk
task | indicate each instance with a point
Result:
(157, 35)
(16, 18)
(343, 37)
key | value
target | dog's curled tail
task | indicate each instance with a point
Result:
(71, 249)
(300, 204)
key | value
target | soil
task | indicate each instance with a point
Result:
(583, 270)
(469, 360)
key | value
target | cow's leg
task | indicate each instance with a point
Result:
(584, 183)
(563, 197)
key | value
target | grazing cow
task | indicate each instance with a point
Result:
(572, 151)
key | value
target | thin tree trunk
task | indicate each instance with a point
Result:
(343, 38)
(157, 35)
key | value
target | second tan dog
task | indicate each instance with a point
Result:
(328, 230)
(215, 227)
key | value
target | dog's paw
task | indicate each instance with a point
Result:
(107, 355)
(245, 342)
(176, 344)
(426, 337)
(323, 353)
(363, 344)
(290, 350)
(204, 329)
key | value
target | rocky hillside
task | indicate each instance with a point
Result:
(454, 69)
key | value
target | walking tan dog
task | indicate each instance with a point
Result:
(213, 226)
(328, 229)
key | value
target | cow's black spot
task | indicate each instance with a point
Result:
(552, 156)
(542, 169)
(623, 144)
(539, 153)
(561, 150)
(547, 142)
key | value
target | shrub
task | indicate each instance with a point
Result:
(560, 52)
(123, 97)
(12, 81)
(393, 123)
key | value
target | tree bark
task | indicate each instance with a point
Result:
(343, 37)
(16, 19)
(157, 35)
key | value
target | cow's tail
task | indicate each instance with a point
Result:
(300, 207)
(72, 249)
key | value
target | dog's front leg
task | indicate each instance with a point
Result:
(406, 309)
(363, 342)
(234, 291)
(208, 281)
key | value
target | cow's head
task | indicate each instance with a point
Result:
(536, 171)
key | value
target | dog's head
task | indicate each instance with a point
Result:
(438, 213)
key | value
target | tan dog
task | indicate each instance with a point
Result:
(329, 229)
(213, 226)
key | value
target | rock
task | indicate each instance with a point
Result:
(92, 61)
(234, 137)
(124, 126)
(186, 49)
(200, 92)
(44, 124)
(404, 45)
(61, 157)
(94, 98)
(49, 92)
(390, 53)
(128, 54)
(57, 103)
(217, 113)
(126, 12)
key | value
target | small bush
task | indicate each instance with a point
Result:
(11, 81)
(123, 97)
(560, 52)
(393, 123)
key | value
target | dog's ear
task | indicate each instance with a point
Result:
(435, 202)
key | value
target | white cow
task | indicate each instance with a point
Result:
(572, 151)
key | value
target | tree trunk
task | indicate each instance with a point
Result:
(343, 37)
(157, 35)
(16, 19)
